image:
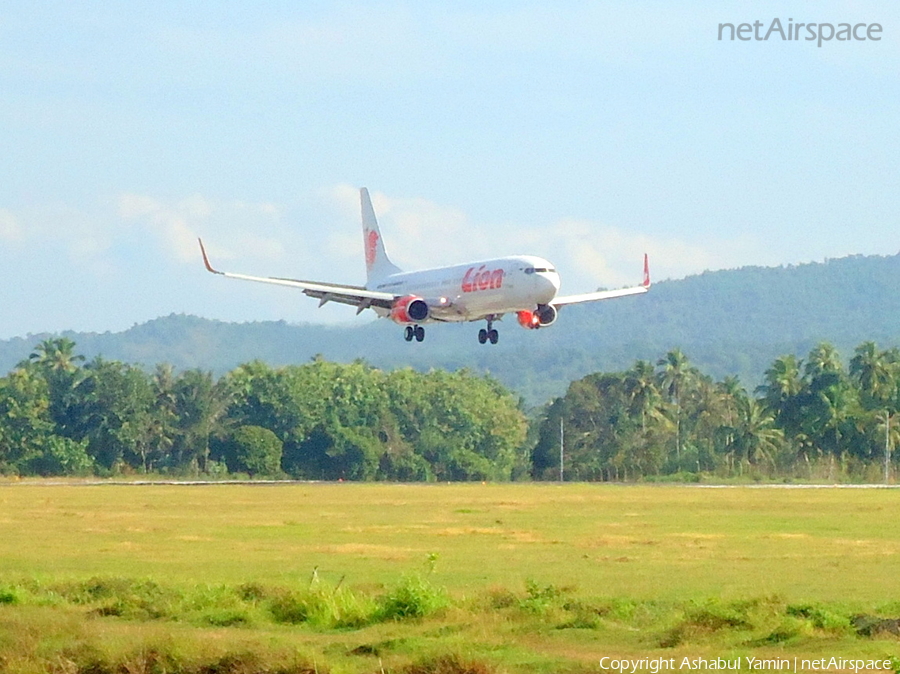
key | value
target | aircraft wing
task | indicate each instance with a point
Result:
(357, 296)
(606, 294)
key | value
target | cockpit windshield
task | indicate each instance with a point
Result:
(538, 270)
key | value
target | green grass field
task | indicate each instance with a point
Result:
(515, 577)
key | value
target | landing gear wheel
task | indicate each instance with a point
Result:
(419, 332)
(493, 335)
(482, 336)
(409, 333)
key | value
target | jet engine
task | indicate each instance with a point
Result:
(528, 320)
(409, 309)
(544, 315)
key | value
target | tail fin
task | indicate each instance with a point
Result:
(377, 263)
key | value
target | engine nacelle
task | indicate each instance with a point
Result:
(544, 315)
(409, 309)
(528, 320)
(547, 314)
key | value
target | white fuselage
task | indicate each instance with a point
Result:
(476, 290)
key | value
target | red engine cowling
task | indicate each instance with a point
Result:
(544, 315)
(528, 320)
(409, 309)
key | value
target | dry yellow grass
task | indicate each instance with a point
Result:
(641, 542)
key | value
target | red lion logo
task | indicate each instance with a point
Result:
(371, 247)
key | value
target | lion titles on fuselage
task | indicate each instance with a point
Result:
(482, 279)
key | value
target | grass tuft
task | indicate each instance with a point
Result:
(540, 600)
(235, 663)
(820, 617)
(414, 597)
(322, 608)
(8, 595)
(448, 664)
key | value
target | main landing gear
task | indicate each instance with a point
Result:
(414, 331)
(488, 335)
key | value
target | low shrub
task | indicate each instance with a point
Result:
(414, 597)
(323, 608)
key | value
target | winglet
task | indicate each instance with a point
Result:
(206, 259)
(646, 281)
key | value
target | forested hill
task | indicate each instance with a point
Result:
(727, 322)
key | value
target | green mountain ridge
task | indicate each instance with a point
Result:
(729, 322)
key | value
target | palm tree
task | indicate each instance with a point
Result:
(676, 374)
(729, 396)
(783, 380)
(783, 393)
(161, 431)
(756, 433)
(836, 404)
(830, 401)
(55, 355)
(640, 387)
(823, 365)
(202, 404)
(874, 373)
(56, 361)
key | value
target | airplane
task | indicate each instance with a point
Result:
(486, 290)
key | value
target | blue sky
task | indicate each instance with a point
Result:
(584, 132)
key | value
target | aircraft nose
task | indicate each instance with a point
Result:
(548, 286)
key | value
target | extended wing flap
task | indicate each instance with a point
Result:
(354, 300)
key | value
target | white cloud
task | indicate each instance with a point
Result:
(41, 231)
(10, 230)
(177, 225)
(99, 238)
(78, 230)
(170, 224)
(427, 234)
(137, 206)
(610, 257)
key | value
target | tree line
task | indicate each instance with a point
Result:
(811, 418)
(60, 415)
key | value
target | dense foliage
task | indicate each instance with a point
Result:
(809, 419)
(60, 416)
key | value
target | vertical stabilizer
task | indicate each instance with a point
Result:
(378, 265)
